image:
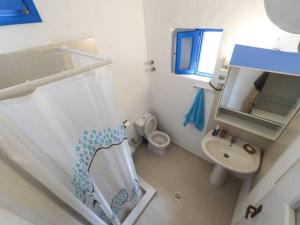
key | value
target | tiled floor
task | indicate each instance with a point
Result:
(181, 171)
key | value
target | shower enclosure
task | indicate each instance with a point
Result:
(63, 128)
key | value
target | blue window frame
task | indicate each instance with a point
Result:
(18, 12)
(187, 51)
(197, 51)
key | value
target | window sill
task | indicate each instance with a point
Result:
(198, 78)
(202, 82)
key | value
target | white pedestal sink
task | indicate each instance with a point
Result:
(218, 175)
(230, 156)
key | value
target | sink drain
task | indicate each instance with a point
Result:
(177, 195)
(226, 155)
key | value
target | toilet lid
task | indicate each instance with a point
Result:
(150, 125)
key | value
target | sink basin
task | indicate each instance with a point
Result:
(229, 156)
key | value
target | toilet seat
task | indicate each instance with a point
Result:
(150, 126)
(159, 139)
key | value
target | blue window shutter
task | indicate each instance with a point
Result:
(203, 31)
(17, 12)
(11, 4)
(11, 7)
(187, 51)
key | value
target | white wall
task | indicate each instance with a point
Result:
(276, 149)
(274, 167)
(244, 22)
(118, 26)
(22, 189)
(119, 29)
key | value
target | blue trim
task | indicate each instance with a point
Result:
(199, 52)
(210, 30)
(197, 36)
(200, 73)
(19, 17)
(266, 60)
(11, 7)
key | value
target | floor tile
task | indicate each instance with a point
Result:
(181, 171)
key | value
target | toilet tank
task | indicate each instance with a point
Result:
(140, 123)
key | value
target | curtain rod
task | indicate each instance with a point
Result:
(31, 85)
(90, 55)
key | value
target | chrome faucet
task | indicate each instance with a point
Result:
(233, 139)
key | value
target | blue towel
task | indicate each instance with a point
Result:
(196, 114)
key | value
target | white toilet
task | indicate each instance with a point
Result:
(158, 141)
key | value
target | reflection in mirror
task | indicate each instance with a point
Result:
(297, 215)
(262, 94)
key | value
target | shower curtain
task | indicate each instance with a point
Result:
(68, 135)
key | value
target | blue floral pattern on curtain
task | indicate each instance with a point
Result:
(87, 147)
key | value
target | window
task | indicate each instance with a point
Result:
(18, 11)
(197, 51)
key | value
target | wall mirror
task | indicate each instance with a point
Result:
(262, 94)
